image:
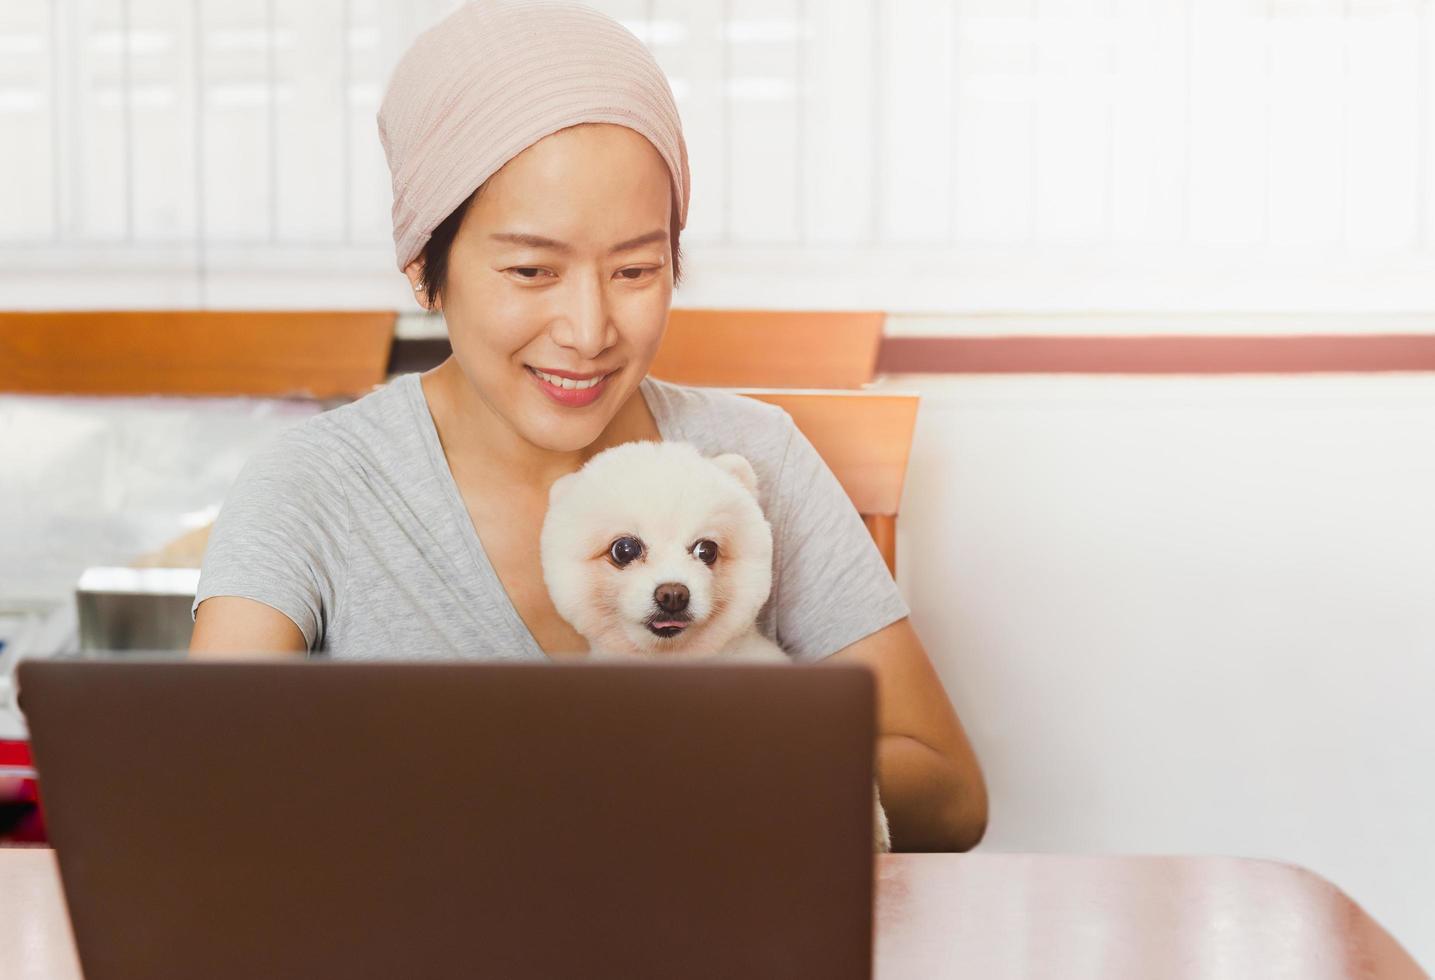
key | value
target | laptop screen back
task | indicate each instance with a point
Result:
(306, 819)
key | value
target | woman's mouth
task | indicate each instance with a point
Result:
(566, 391)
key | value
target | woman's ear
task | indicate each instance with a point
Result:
(739, 467)
(415, 272)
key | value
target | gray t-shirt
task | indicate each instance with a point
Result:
(352, 526)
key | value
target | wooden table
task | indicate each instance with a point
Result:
(982, 915)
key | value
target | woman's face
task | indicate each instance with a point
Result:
(563, 264)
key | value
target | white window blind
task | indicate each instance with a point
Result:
(926, 156)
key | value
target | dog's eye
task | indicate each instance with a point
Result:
(625, 550)
(705, 551)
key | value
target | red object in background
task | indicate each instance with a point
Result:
(21, 821)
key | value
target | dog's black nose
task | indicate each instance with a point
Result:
(672, 596)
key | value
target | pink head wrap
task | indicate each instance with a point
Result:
(495, 77)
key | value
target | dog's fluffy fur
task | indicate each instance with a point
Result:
(653, 550)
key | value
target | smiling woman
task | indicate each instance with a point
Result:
(546, 228)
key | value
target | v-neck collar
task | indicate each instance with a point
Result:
(527, 643)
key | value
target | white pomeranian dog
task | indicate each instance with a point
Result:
(654, 550)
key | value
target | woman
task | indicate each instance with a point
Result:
(540, 188)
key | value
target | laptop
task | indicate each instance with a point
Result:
(249, 819)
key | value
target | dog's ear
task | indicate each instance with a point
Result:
(739, 467)
(560, 486)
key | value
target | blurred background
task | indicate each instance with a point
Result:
(934, 156)
(1160, 273)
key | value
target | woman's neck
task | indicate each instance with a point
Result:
(481, 446)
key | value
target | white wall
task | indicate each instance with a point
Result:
(1190, 615)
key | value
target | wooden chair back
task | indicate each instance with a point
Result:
(865, 438)
(769, 348)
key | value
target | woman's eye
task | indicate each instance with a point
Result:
(706, 551)
(530, 273)
(625, 550)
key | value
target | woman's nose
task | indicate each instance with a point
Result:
(585, 326)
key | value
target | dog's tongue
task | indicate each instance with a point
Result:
(665, 623)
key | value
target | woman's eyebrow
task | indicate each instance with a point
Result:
(538, 241)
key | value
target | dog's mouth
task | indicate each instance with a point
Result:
(668, 625)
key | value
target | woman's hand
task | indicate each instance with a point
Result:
(931, 783)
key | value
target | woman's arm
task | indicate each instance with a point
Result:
(931, 783)
(228, 626)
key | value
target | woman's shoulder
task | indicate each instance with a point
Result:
(386, 411)
(377, 425)
(719, 419)
(313, 468)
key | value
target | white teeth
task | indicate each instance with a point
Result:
(553, 379)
